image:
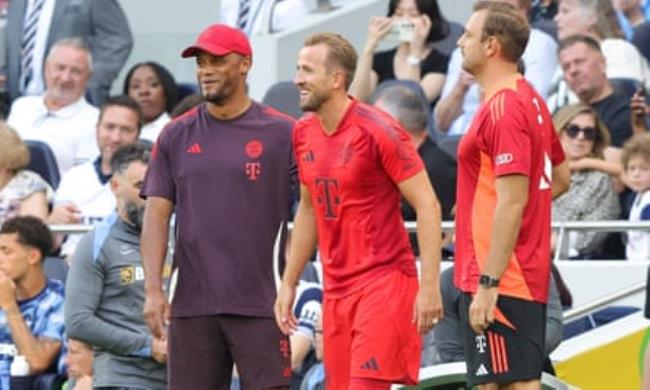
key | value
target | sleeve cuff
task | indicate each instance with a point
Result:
(146, 350)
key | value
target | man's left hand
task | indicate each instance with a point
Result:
(427, 310)
(481, 311)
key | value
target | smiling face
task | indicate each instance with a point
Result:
(67, 72)
(313, 78)
(220, 77)
(117, 126)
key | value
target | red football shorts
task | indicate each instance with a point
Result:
(370, 333)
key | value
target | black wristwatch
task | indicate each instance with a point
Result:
(488, 281)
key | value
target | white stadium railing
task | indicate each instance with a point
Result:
(448, 226)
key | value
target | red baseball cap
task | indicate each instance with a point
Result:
(219, 40)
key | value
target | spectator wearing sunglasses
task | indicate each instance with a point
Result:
(591, 196)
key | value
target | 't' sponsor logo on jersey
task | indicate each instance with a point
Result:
(481, 343)
(327, 195)
(253, 170)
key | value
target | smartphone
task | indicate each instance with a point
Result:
(400, 31)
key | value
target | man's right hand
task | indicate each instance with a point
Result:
(156, 313)
(377, 29)
(7, 292)
(84, 383)
(65, 213)
(159, 350)
(284, 317)
(639, 111)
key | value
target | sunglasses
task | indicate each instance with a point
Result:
(589, 133)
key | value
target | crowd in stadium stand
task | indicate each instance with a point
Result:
(588, 58)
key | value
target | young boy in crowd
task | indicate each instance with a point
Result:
(636, 163)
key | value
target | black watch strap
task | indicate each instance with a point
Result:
(488, 281)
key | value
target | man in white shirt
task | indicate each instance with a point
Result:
(33, 26)
(460, 95)
(84, 194)
(61, 117)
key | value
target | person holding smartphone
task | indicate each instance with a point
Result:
(640, 111)
(415, 25)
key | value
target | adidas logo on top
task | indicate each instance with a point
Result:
(371, 365)
(194, 149)
(482, 370)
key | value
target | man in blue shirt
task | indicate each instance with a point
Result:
(31, 306)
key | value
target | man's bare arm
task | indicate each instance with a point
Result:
(303, 242)
(418, 192)
(154, 239)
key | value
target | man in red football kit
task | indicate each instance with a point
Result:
(354, 161)
(510, 165)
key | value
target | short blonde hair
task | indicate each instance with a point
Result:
(637, 146)
(14, 154)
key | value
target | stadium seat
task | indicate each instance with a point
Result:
(284, 97)
(43, 162)
(185, 89)
(449, 43)
(596, 319)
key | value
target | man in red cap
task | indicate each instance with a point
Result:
(227, 169)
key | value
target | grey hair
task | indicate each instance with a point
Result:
(405, 106)
(75, 42)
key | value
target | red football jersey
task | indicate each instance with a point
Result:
(352, 175)
(512, 133)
